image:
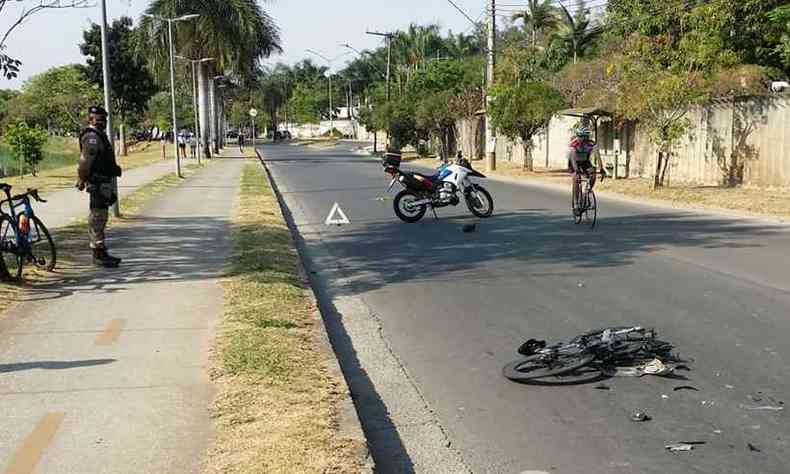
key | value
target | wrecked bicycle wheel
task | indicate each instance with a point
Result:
(540, 366)
(42, 249)
(405, 208)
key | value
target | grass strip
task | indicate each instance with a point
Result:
(276, 410)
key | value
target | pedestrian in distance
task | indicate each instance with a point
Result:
(241, 142)
(182, 145)
(96, 172)
(193, 146)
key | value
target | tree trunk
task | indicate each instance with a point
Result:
(657, 177)
(122, 134)
(529, 163)
(204, 70)
(627, 140)
(667, 159)
(212, 99)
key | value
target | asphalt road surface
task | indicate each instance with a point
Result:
(452, 307)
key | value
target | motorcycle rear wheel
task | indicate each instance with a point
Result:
(405, 210)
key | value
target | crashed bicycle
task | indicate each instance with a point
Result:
(602, 352)
(24, 239)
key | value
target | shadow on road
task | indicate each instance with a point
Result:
(53, 365)
(527, 242)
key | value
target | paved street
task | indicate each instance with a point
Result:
(107, 372)
(424, 317)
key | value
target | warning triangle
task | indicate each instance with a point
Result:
(337, 216)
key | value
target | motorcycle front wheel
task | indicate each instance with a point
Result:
(479, 201)
(405, 208)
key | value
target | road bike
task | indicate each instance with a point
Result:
(587, 356)
(24, 239)
(584, 205)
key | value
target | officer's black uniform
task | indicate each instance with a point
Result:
(96, 170)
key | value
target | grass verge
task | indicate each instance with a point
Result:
(64, 177)
(71, 242)
(773, 203)
(276, 410)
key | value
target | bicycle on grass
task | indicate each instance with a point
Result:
(24, 239)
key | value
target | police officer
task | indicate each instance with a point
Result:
(96, 170)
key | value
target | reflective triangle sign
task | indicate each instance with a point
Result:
(337, 216)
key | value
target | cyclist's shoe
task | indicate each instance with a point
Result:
(101, 259)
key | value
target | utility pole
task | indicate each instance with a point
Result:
(490, 132)
(105, 56)
(388, 37)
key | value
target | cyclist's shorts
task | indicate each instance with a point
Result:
(584, 166)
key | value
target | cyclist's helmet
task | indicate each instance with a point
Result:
(583, 132)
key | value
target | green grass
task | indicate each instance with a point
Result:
(276, 408)
(58, 152)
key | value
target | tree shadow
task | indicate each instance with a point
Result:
(525, 241)
(53, 365)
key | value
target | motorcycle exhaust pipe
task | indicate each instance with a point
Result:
(422, 202)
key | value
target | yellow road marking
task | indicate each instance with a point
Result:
(111, 334)
(28, 455)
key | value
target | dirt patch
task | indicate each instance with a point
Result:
(277, 407)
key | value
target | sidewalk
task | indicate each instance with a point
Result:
(107, 373)
(64, 207)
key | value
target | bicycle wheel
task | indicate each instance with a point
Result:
(539, 366)
(576, 204)
(10, 252)
(42, 248)
(591, 208)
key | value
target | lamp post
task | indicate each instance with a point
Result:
(170, 22)
(105, 56)
(329, 64)
(198, 133)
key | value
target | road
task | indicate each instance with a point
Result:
(424, 316)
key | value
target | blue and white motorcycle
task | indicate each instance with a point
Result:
(422, 192)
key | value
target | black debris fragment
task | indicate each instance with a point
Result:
(754, 448)
(640, 416)
(685, 387)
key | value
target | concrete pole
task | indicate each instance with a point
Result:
(105, 56)
(173, 96)
(195, 110)
(490, 132)
(331, 109)
(389, 63)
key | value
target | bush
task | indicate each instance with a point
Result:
(27, 143)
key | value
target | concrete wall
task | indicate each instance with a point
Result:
(745, 140)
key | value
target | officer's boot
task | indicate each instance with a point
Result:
(100, 259)
(109, 257)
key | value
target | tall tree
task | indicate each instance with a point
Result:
(540, 16)
(579, 33)
(236, 33)
(132, 84)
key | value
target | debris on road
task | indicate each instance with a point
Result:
(685, 387)
(762, 407)
(683, 446)
(754, 448)
(469, 228)
(664, 396)
(602, 387)
(640, 416)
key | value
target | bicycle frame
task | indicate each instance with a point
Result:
(23, 234)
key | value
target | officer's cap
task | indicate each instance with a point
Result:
(97, 110)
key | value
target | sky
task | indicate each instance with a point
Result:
(51, 38)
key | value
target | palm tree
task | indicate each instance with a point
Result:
(578, 33)
(540, 16)
(236, 33)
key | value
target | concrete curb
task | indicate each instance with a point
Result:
(350, 426)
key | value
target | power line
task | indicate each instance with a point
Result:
(462, 12)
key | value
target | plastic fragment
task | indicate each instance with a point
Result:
(754, 448)
(685, 387)
(602, 387)
(640, 416)
(762, 407)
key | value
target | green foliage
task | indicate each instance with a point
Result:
(57, 99)
(132, 83)
(26, 143)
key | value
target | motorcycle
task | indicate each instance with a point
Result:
(422, 192)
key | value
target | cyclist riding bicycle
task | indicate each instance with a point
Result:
(581, 152)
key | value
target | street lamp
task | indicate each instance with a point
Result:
(105, 55)
(361, 53)
(198, 133)
(329, 64)
(170, 22)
